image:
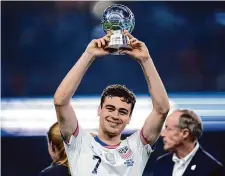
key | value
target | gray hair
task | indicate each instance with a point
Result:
(191, 121)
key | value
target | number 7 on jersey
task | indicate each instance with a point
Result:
(97, 165)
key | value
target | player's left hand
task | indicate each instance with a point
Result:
(139, 50)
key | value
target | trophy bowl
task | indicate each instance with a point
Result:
(118, 18)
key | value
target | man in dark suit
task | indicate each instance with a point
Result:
(186, 157)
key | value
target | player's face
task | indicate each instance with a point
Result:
(114, 115)
(172, 134)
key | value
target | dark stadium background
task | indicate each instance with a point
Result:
(40, 41)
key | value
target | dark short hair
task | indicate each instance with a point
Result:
(190, 120)
(117, 90)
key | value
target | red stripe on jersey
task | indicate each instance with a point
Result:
(76, 131)
(111, 146)
(143, 139)
(127, 155)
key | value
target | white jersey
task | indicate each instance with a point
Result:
(89, 158)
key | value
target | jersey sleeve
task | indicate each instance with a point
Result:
(80, 137)
(138, 144)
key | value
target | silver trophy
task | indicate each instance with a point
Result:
(118, 18)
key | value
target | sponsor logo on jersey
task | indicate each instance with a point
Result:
(129, 162)
(125, 152)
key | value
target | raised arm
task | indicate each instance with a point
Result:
(65, 113)
(153, 124)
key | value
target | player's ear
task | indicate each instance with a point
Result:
(185, 133)
(99, 110)
(129, 119)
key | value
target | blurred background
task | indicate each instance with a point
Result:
(40, 42)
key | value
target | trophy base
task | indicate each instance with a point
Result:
(116, 48)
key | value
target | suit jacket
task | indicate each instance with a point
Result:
(202, 164)
(55, 170)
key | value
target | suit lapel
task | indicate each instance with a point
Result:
(193, 165)
(170, 165)
(165, 166)
(170, 170)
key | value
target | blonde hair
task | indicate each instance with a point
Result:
(54, 137)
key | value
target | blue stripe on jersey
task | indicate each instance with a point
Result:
(100, 142)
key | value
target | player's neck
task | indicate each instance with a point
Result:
(107, 139)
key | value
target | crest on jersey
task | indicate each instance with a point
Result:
(110, 158)
(125, 152)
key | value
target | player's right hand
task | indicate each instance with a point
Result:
(97, 46)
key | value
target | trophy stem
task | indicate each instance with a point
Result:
(118, 41)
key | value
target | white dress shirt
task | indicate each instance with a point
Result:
(181, 164)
